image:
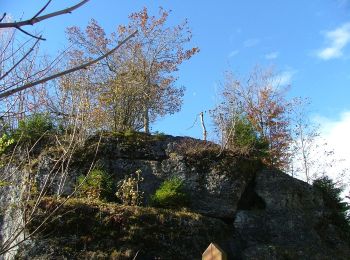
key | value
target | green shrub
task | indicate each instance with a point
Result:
(159, 136)
(245, 139)
(170, 194)
(332, 198)
(5, 142)
(129, 133)
(98, 185)
(33, 128)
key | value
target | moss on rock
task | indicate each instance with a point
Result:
(81, 229)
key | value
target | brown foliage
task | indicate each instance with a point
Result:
(194, 147)
(265, 106)
(137, 83)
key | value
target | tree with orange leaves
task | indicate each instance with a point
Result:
(262, 104)
(138, 84)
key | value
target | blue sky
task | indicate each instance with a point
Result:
(307, 43)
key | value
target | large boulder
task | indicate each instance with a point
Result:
(288, 226)
(214, 181)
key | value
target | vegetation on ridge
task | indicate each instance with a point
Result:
(339, 214)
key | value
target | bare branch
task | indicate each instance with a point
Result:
(31, 35)
(136, 255)
(36, 19)
(3, 17)
(60, 74)
(42, 9)
(22, 59)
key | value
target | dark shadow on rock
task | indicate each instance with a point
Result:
(250, 200)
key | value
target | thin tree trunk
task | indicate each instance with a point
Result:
(146, 119)
(146, 107)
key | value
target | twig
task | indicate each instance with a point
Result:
(42, 9)
(31, 35)
(2, 18)
(7, 246)
(194, 123)
(36, 19)
(136, 255)
(22, 59)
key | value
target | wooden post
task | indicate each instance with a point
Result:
(201, 114)
(214, 252)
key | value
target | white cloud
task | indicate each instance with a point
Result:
(336, 132)
(337, 41)
(251, 43)
(233, 53)
(329, 153)
(336, 135)
(284, 78)
(272, 55)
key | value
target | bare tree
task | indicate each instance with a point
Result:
(305, 141)
(227, 112)
(8, 89)
(14, 90)
(260, 111)
(22, 80)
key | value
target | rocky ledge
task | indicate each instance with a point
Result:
(252, 212)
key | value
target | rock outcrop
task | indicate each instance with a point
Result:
(214, 181)
(250, 211)
(288, 225)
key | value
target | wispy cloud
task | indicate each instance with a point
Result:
(335, 132)
(283, 78)
(272, 55)
(251, 43)
(233, 53)
(337, 41)
(329, 153)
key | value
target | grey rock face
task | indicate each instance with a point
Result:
(282, 192)
(287, 228)
(214, 183)
(273, 215)
(11, 212)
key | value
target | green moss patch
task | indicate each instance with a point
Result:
(114, 230)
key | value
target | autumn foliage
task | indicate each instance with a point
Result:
(265, 112)
(136, 85)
